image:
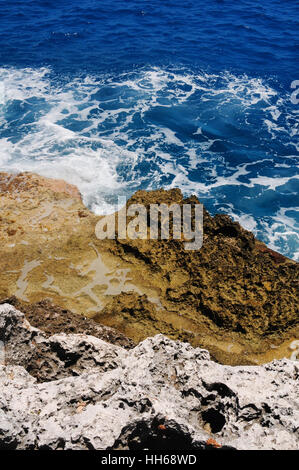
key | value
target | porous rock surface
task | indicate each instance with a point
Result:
(234, 296)
(52, 319)
(79, 392)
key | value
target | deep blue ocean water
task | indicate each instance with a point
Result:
(115, 96)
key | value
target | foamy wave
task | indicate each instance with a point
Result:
(231, 139)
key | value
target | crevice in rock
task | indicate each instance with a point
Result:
(155, 435)
(214, 418)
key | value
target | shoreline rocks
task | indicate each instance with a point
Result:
(234, 296)
(52, 319)
(162, 394)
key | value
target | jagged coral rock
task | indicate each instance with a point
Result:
(234, 296)
(163, 394)
(54, 357)
(52, 319)
(233, 279)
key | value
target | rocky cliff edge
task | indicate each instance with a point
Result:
(75, 391)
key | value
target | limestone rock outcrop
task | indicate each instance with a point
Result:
(162, 394)
(234, 296)
(52, 319)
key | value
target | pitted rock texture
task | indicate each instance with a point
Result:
(52, 319)
(163, 394)
(234, 284)
(234, 296)
(54, 357)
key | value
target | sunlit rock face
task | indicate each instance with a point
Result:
(234, 296)
(79, 392)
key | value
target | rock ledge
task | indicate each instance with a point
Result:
(75, 391)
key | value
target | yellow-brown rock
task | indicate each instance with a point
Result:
(234, 296)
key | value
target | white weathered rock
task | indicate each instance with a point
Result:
(52, 358)
(161, 394)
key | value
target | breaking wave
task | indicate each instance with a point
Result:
(232, 140)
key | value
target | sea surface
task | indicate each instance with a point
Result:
(115, 96)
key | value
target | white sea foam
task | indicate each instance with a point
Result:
(109, 135)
